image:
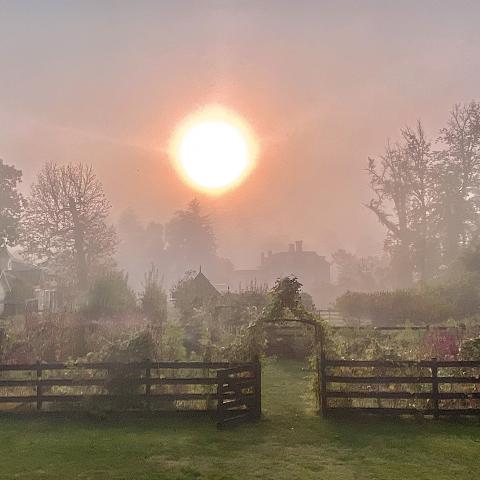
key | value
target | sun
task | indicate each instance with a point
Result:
(214, 150)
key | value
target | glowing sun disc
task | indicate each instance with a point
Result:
(213, 150)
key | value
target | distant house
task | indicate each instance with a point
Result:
(312, 269)
(24, 287)
(202, 288)
(194, 293)
(307, 265)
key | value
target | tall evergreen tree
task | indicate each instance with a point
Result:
(190, 241)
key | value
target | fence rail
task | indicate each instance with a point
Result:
(159, 386)
(430, 387)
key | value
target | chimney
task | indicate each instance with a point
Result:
(291, 247)
(299, 246)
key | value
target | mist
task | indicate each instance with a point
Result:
(322, 84)
(225, 212)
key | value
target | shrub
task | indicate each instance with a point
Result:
(110, 295)
(470, 349)
(154, 298)
(421, 305)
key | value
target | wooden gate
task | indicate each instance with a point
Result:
(239, 394)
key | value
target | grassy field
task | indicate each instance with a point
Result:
(290, 443)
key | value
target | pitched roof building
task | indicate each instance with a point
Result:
(202, 287)
(23, 286)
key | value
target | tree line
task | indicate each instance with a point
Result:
(65, 225)
(426, 193)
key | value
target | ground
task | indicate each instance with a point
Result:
(289, 443)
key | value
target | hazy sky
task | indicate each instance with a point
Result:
(323, 84)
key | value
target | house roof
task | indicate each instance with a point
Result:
(33, 276)
(203, 286)
(13, 269)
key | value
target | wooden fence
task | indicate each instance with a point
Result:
(434, 387)
(161, 386)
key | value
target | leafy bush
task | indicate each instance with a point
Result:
(286, 301)
(154, 298)
(171, 345)
(421, 305)
(470, 349)
(110, 294)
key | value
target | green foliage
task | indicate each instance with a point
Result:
(171, 346)
(49, 337)
(420, 305)
(154, 299)
(190, 239)
(426, 196)
(184, 295)
(470, 349)
(359, 273)
(285, 300)
(110, 295)
(248, 344)
(195, 299)
(287, 303)
(11, 203)
(20, 292)
(372, 345)
(235, 310)
(247, 298)
(133, 346)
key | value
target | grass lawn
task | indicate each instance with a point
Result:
(289, 443)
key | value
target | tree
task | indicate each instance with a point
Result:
(139, 247)
(286, 301)
(189, 235)
(423, 182)
(11, 203)
(403, 182)
(190, 242)
(65, 222)
(358, 273)
(459, 168)
(154, 298)
(110, 294)
(390, 183)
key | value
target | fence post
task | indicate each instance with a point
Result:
(147, 381)
(318, 342)
(258, 388)
(323, 384)
(321, 371)
(220, 394)
(39, 386)
(434, 369)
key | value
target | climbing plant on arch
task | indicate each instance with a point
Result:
(285, 305)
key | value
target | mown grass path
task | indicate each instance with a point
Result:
(290, 443)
